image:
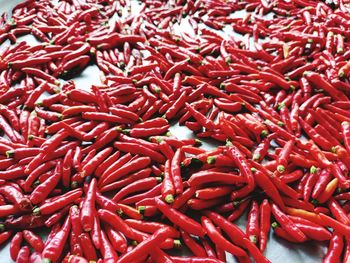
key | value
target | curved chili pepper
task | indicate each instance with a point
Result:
(213, 192)
(311, 230)
(23, 255)
(33, 240)
(88, 207)
(265, 215)
(139, 149)
(218, 239)
(279, 231)
(43, 190)
(107, 249)
(132, 166)
(4, 236)
(176, 171)
(123, 182)
(146, 245)
(15, 245)
(87, 247)
(54, 247)
(195, 248)
(186, 223)
(139, 185)
(15, 196)
(59, 203)
(89, 167)
(117, 240)
(264, 182)
(287, 224)
(283, 156)
(253, 226)
(116, 165)
(168, 188)
(244, 168)
(335, 249)
(328, 191)
(116, 222)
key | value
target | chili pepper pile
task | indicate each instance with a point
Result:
(98, 166)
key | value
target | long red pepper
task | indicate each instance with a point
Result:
(15, 245)
(287, 224)
(196, 249)
(116, 222)
(109, 255)
(244, 167)
(217, 238)
(335, 249)
(168, 189)
(54, 248)
(43, 190)
(186, 223)
(175, 170)
(253, 226)
(59, 203)
(33, 240)
(88, 207)
(146, 245)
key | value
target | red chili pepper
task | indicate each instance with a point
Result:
(168, 189)
(43, 190)
(16, 197)
(107, 250)
(264, 182)
(283, 156)
(117, 240)
(54, 247)
(87, 247)
(9, 131)
(15, 245)
(338, 212)
(137, 186)
(40, 74)
(311, 230)
(204, 177)
(244, 168)
(102, 140)
(195, 248)
(116, 222)
(59, 203)
(23, 255)
(4, 236)
(12, 173)
(175, 170)
(265, 215)
(335, 249)
(88, 207)
(328, 191)
(139, 149)
(130, 167)
(33, 240)
(252, 227)
(213, 192)
(145, 246)
(254, 251)
(218, 239)
(336, 225)
(186, 223)
(287, 224)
